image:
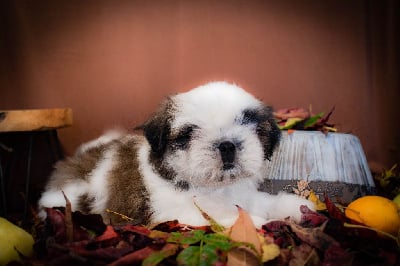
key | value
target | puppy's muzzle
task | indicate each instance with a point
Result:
(228, 153)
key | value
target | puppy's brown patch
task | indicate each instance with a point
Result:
(128, 194)
(84, 203)
(76, 167)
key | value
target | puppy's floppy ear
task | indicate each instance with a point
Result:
(158, 128)
(268, 131)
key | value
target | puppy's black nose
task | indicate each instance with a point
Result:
(228, 151)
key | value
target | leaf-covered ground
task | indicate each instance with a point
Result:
(321, 238)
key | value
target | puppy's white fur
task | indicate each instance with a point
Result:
(214, 113)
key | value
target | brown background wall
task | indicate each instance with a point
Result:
(113, 61)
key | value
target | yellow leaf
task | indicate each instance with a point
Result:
(319, 205)
(290, 122)
(270, 252)
(269, 249)
(331, 129)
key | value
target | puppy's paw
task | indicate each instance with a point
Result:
(288, 205)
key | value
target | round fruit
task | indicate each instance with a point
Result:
(375, 211)
(13, 238)
(397, 200)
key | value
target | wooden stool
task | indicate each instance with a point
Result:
(30, 123)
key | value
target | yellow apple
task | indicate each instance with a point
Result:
(375, 211)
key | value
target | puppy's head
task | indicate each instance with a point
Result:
(211, 136)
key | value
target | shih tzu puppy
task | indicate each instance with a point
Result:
(206, 148)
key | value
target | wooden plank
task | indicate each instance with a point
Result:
(35, 119)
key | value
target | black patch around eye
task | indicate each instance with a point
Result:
(181, 141)
(250, 116)
(265, 126)
(182, 185)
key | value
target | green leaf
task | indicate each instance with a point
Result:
(153, 259)
(198, 255)
(313, 120)
(158, 256)
(209, 255)
(189, 256)
(213, 247)
(219, 241)
(186, 238)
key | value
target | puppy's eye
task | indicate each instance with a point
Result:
(250, 116)
(183, 138)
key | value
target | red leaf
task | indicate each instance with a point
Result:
(55, 219)
(286, 113)
(334, 212)
(107, 235)
(314, 237)
(311, 218)
(136, 229)
(69, 226)
(134, 257)
(274, 226)
(325, 119)
(175, 226)
(108, 254)
(335, 255)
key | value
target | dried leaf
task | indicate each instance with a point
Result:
(304, 255)
(106, 254)
(242, 256)
(269, 250)
(134, 257)
(314, 236)
(215, 227)
(158, 234)
(396, 239)
(107, 235)
(319, 205)
(311, 218)
(326, 118)
(334, 211)
(290, 123)
(287, 113)
(69, 228)
(136, 229)
(167, 251)
(244, 230)
(55, 219)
